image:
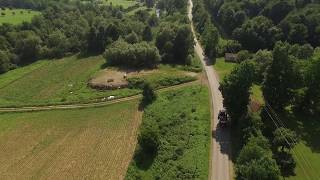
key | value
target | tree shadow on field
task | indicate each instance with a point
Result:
(143, 159)
(307, 127)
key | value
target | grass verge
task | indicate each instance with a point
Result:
(182, 118)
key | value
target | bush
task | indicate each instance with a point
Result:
(243, 55)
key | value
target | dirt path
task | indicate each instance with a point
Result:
(86, 105)
(221, 165)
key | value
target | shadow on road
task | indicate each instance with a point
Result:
(209, 62)
(222, 136)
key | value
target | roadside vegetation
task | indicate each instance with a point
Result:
(93, 142)
(174, 137)
(278, 42)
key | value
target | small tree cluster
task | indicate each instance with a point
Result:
(235, 89)
(284, 141)
(175, 43)
(255, 161)
(136, 55)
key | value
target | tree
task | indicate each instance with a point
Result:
(149, 3)
(132, 38)
(175, 43)
(284, 139)
(302, 52)
(243, 55)
(58, 44)
(27, 45)
(255, 161)
(278, 10)
(257, 33)
(147, 34)
(148, 94)
(298, 34)
(137, 55)
(312, 91)
(4, 62)
(278, 82)
(235, 89)
(263, 59)
(183, 44)
(210, 40)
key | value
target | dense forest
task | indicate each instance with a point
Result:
(89, 28)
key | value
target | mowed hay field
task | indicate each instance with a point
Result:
(16, 16)
(94, 143)
(54, 82)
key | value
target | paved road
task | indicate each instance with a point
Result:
(88, 105)
(221, 165)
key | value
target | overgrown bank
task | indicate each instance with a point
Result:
(176, 133)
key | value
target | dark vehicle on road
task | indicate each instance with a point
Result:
(223, 118)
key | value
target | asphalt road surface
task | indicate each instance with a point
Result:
(221, 164)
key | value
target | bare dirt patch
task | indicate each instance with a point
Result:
(112, 78)
(109, 78)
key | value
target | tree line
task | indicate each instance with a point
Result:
(87, 28)
(260, 24)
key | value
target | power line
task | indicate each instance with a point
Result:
(277, 125)
(292, 139)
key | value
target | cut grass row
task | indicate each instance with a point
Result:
(182, 118)
(93, 143)
(16, 16)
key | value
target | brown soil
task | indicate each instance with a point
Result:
(109, 79)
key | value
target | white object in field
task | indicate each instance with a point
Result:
(111, 97)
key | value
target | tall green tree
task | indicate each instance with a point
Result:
(183, 44)
(210, 40)
(148, 94)
(255, 161)
(284, 139)
(312, 92)
(279, 79)
(235, 89)
(147, 34)
(4, 62)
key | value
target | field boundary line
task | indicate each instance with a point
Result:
(88, 105)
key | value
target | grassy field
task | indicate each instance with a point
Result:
(223, 68)
(54, 82)
(16, 16)
(182, 118)
(94, 143)
(307, 152)
(65, 81)
(124, 3)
